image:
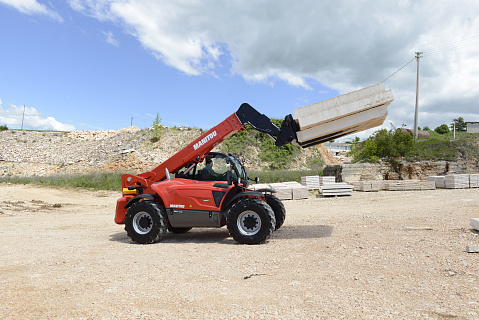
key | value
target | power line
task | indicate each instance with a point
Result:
(400, 69)
(452, 46)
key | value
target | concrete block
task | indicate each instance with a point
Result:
(472, 248)
(300, 193)
(474, 181)
(457, 181)
(284, 193)
(439, 180)
(475, 223)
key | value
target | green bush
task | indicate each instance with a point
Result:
(442, 129)
(3, 127)
(383, 144)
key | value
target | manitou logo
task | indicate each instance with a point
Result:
(204, 140)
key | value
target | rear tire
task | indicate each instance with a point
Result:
(278, 209)
(146, 222)
(250, 221)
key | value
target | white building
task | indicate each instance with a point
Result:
(472, 127)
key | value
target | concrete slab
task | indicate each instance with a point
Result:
(346, 125)
(343, 105)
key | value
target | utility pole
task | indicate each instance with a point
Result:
(416, 114)
(23, 117)
(131, 123)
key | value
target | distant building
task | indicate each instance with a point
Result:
(472, 127)
(337, 147)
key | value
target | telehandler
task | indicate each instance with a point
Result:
(200, 188)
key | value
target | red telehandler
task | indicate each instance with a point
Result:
(200, 188)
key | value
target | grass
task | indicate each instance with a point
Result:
(95, 180)
(444, 147)
(112, 180)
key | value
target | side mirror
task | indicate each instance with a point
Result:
(256, 180)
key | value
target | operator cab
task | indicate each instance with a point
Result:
(215, 167)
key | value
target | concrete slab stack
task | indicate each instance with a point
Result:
(343, 115)
(283, 192)
(326, 180)
(311, 182)
(336, 189)
(402, 185)
(427, 185)
(474, 181)
(370, 186)
(440, 181)
(457, 181)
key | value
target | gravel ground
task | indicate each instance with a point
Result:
(385, 255)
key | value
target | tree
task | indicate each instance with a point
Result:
(459, 124)
(426, 128)
(157, 129)
(442, 129)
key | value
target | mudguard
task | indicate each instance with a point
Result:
(244, 194)
(147, 196)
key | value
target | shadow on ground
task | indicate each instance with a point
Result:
(221, 235)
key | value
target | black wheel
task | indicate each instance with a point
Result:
(146, 222)
(250, 221)
(178, 230)
(278, 209)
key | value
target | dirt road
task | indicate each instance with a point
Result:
(398, 255)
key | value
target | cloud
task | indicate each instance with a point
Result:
(110, 39)
(32, 119)
(32, 7)
(344, 44)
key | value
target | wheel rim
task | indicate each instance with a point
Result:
(142, 222)
(249, 223)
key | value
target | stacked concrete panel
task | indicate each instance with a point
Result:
(286, 190)
(427, 185)
(326, 179)
(474, 181)
(283, 192)
(402, 185)
(457, 181)
(370, 185)
(311, 182)
(336, 189)
(343, 115)
(440, 181)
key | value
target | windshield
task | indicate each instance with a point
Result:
(239, 167)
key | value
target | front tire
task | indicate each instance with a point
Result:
(250, 221)
(146, 222)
